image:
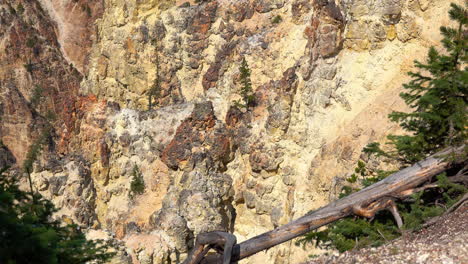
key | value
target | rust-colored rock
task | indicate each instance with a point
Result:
(325, 32)
(299, 8)
(32, 63)
(197, 139)
(242, 10)
(212, 74)
(201, 22)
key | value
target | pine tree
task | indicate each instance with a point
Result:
(154, 93)
(29, 235)
(155, 90)
(246, 89)
(438, 93)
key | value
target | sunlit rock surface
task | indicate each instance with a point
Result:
(325, 75)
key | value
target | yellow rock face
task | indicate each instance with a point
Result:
(391, 32)
(324, 77)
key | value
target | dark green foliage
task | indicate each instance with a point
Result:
(378, 176)
(246, 86)
(45, 135)
(360, 170)
(154, 92)
(418, 211)
(31, 42)
(29, 67)
(27, 232)
(36, 148)
(374, 148)
(88, 11)
(137, 186)
(438, 93)
(185, 5)
(36, 96)
(277, 19)
(364, 177)
(12, 10)
(453, 189)
(28, 235)
(50, 116)
(355, 232)
(430, 203)
(20, 9)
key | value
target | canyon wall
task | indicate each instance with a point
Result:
(149, 88)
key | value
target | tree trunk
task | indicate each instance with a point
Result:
(366, 203)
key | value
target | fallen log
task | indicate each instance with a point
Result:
(366, 203)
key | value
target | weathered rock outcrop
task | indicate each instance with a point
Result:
(325, 75)
(37, 84)
(68, 183)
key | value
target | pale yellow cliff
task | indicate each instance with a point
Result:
(325, 75)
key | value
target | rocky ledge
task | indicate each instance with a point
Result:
(445, 242)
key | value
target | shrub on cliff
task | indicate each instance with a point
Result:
(20, 9)
(155, 90)
(137, 186)
(246, 89)
(277, 19)
(247, 93)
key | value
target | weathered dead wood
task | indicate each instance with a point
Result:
(396, 215)
(220, 241)
(366, 202)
